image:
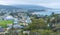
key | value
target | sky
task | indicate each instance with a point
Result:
(46, 3)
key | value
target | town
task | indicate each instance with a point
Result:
(29, 17)
(24, 23)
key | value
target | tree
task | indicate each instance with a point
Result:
(38, 24)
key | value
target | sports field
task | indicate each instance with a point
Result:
(4, 23)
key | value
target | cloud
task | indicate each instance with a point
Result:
(47, 3)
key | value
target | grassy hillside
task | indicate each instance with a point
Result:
(4, 23)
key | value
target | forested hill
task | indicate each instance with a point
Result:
(24, 8)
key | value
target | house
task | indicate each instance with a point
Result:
(9, 17)
(18, 26)
(15, 21)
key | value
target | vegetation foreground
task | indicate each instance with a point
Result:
(46, 25)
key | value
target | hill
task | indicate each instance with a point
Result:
(24, 8)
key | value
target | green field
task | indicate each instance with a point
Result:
(4, 23)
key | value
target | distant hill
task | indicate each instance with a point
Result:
(32, 8)
(29, 8)
(26, 8)
(6, 7)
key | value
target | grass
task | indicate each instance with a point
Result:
(4, 23)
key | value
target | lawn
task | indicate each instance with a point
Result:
(4, 23)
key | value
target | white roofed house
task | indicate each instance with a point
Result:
(16, 21)
(26, 20)
(9, 17)
(16, 24)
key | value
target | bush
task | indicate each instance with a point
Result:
(43, 32)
